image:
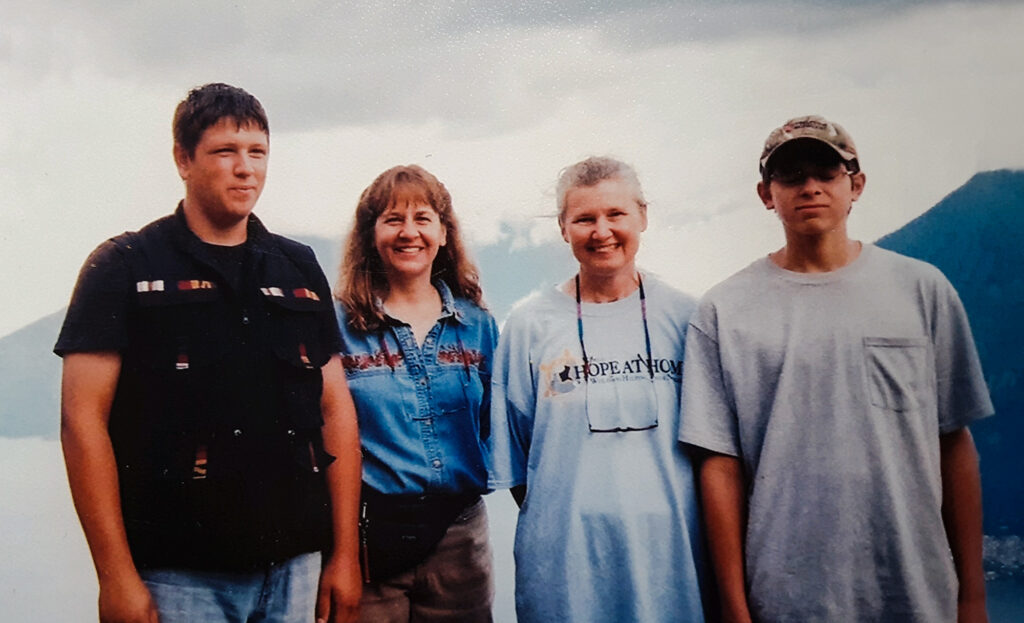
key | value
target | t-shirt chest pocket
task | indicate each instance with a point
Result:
(898, 372)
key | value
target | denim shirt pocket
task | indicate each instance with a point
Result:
(379, 393)
(456, 389)
(897, 372)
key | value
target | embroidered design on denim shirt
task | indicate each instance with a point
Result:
(454, 354)
(367, 361)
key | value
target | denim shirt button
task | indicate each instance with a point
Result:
(437, 463)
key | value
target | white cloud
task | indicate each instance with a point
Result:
(494, 104)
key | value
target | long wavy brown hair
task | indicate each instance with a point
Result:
(362, 279)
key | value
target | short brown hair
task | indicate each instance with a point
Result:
(205, 106)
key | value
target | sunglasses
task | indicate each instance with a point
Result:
(798, 176)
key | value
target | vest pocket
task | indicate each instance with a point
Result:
(177, 364)
(297, 337)
(181, 330)
(301, 354)
(897, 372)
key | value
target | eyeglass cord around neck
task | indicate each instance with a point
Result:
(643, 317)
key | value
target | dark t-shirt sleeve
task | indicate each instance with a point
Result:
(328, 319)
(96, 318)
(329, 327)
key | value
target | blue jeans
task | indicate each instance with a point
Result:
(284, 592)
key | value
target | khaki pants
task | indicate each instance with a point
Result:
(453, 584)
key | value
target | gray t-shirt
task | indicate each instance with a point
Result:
(833, 389)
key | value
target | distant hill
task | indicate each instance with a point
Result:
(976, 237)
(30, 380)
(30, 372)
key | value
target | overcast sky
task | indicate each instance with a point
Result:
(494, 100)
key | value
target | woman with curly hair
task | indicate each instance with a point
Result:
(418, 345)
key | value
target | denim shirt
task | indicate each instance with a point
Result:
(423, 409)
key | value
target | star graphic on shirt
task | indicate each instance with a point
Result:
(557, 374)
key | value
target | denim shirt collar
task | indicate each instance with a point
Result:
(449, 306)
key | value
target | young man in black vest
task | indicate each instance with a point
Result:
(209, 435)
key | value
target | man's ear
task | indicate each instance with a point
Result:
(182, 161)
(765, 194)
(858, 180)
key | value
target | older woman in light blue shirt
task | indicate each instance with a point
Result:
(586, 421)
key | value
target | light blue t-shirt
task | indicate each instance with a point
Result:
(609, 530)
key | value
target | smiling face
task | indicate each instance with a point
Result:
(811, 190)
(407, 236)
(225, 176)
(602, 223)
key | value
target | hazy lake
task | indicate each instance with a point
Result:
(45, 570)
(46, 573)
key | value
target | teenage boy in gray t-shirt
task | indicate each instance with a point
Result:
(829, 387)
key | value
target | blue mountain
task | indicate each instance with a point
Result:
(976, 237)
(30, 380)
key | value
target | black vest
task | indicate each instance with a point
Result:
(216, 423)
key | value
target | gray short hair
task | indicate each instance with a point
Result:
(591, 172)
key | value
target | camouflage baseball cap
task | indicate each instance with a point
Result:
(812, 127)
